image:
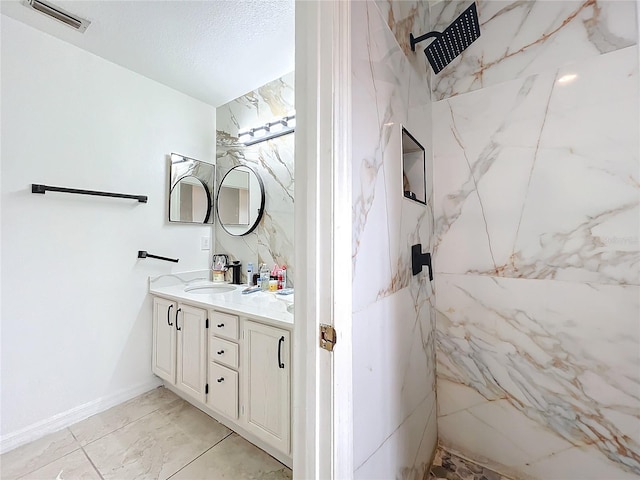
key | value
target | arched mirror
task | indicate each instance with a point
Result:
(240, 201)
(191, 190)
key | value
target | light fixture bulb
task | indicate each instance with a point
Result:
(276, 126)
(244, 136)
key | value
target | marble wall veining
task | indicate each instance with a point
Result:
(532, 373)
(272, 241)
(406, 17)
(393, 312)
(543, 175)
(524, 37)
(537, 240)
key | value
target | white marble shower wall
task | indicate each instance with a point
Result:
(537, 256)
(272, 241)
(521, 38)
(393, 313)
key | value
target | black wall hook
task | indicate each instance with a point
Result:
(144, 254)
(418, 259)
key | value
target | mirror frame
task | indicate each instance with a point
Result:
(262, 201)
(207, 183)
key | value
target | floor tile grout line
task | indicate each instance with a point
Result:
(81, 446)
(117, 429)
(198, 456)
(109, 433)
(91, 462)
(55, 459)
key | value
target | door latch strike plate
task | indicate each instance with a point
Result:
(327, 337)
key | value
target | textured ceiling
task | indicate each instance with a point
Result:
(213, 50)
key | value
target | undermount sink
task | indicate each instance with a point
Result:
(290, 308)
(208, 289)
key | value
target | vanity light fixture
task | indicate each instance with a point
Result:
(273, 129)
(52, 11)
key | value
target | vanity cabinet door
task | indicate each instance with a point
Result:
(191, 375)
(267, 391)
(223, 390)
(164, 339)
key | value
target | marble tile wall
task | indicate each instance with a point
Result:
(520, 38)
(272, 241)
(403, 18)
(537, 240)
(543, 175)
(393, 312)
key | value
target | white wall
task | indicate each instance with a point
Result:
(76, 318)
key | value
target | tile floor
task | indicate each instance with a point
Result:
(448, 466)
(154, 436)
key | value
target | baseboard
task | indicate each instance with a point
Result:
(76, 414)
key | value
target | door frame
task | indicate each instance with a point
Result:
(322, 403)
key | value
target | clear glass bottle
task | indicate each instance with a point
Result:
(264, 277)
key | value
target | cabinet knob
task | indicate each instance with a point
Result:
(221, 379)
(220, 325)
(220, 352)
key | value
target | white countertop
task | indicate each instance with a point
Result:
(266, 306)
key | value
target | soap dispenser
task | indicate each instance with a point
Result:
(235, 272)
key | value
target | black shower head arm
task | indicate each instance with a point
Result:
(421, 38)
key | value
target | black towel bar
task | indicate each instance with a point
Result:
(143, 254)
(37, 188)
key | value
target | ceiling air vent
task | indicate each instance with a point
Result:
(57, 13)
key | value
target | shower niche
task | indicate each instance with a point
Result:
(414, 180)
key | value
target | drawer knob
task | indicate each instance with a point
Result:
(220, 352)
(221, 379)
(220, 325)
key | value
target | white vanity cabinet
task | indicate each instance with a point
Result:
(267, 383)
(230, 359)
(163, 362)
(180, 346)
(224, 360)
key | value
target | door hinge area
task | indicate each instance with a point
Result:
(206, 389)
(327, 337)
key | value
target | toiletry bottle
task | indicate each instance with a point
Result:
(284, 276)
(264, 277)
(250, 274)
(280, 277)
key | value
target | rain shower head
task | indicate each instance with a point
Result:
(452, 41)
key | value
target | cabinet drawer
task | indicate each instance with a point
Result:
(223, 390)
(222, 351)
(224, 325)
